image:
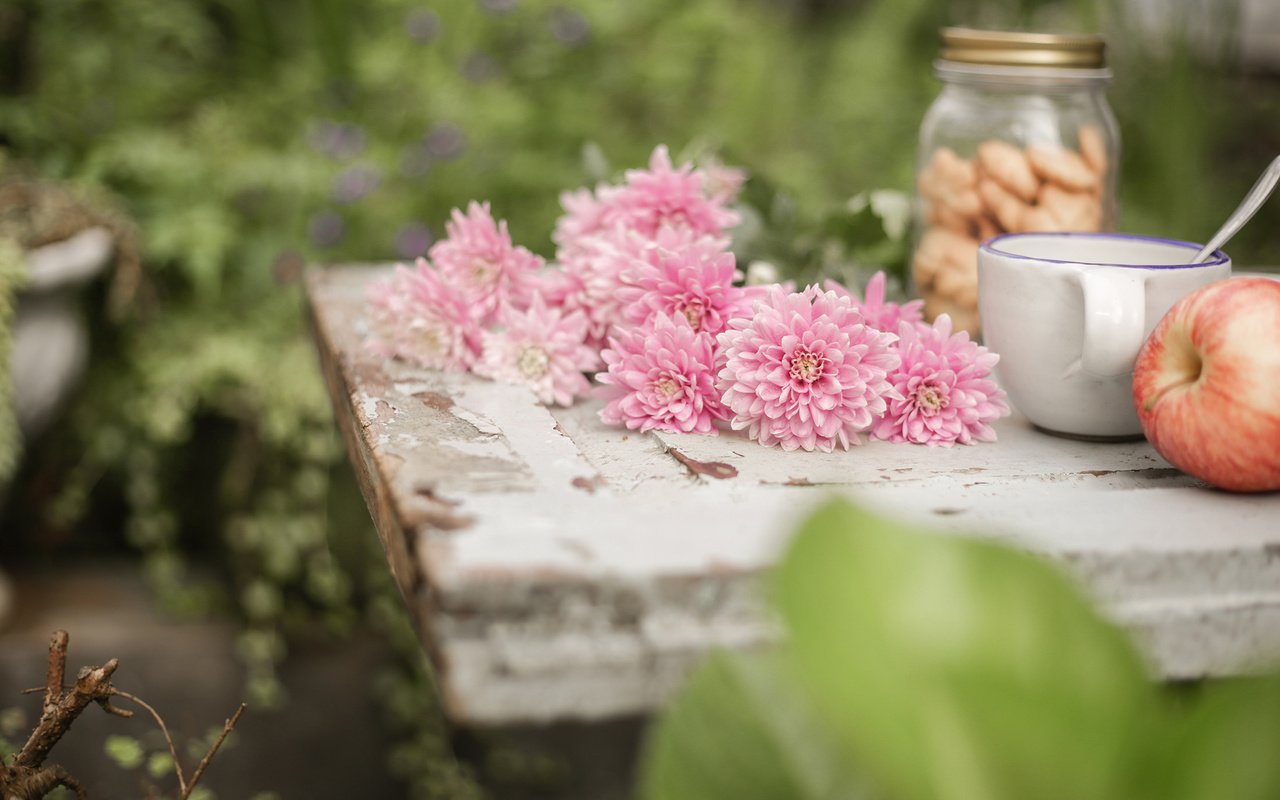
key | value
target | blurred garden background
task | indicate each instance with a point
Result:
(193, 474)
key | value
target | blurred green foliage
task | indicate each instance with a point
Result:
(247, 138)
(920, 667)
(13, 271)
(423, 756)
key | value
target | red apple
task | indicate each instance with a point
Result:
(1207, 384)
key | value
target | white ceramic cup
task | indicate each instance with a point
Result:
(1068, 312)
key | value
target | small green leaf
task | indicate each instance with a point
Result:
(159, 764)
(854, 225)
(125, 751)
(894, 210)
(12, 721)
(737, 730)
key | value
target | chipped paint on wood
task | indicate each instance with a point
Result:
(588, 485)
(559, 568)
(438, 401)
(712, 469)
(426, 509)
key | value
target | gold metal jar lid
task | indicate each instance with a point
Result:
(1014, 49)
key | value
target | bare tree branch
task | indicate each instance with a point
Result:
(61, 708)
(173, 751)
(204, 762)
(27, 778)
(41, 782)
(57, 670)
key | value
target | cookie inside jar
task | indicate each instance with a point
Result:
(1020, 139)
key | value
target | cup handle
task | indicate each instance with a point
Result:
(1114, 317)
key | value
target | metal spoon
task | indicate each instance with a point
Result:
(1247, 208)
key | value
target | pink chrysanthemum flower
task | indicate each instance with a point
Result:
(695, 282)
(594, 271)
(663, 196)
(584, 215)
(556, 285)
(804, 372)
(944, 394)
(478, 257)
(597, 269)
(661, 377)
(415, 316)
(881, 315)
(543, 349)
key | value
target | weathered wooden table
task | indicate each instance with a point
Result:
(560, 569)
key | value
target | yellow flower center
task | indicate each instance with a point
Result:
(429, 338)
(806, 366)
(930, 400)
(694, 311)
(482, 271)
(533, 362)
(667, 387)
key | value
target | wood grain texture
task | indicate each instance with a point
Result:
(563, 569)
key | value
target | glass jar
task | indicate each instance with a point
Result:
(1020, 139)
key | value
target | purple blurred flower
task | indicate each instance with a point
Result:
(337, 139)
(569, 27)
(355, 183)
(445, 141)
(422, 25)
(413, 240)
(327, 228)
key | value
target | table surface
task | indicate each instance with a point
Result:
(561, 569)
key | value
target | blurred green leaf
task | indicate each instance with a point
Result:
(952, 668)
(201, 793)
(159, 765)
(12, 721)
(1227, 744)
(13, 274)
(125, 751)
(738, 731)
(957, 668)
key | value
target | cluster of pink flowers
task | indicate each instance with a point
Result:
(645, 290)
(477, 303)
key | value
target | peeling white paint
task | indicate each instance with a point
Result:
(475, 448)
(481, 423)
(409, 389)
(368, 405)
(408, 440)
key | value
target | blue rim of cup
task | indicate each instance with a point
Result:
(1219, 258)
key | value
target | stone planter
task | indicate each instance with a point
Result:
(51, 335)
(51, 338)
